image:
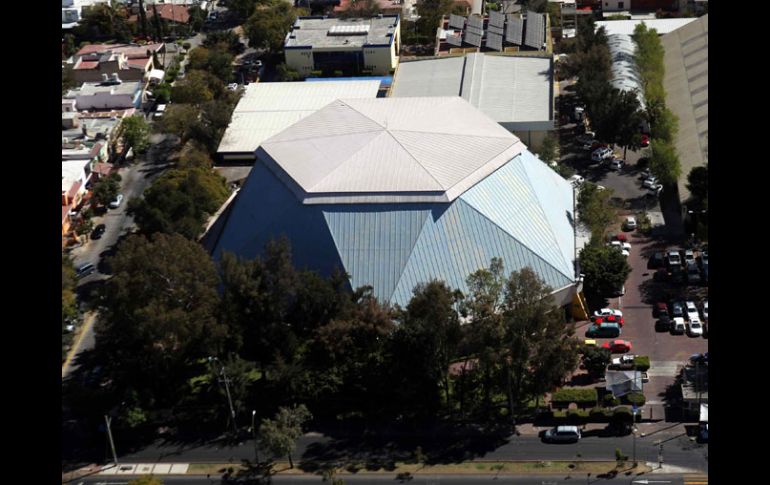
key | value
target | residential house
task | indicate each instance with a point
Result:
(129, 61)
(110, 95)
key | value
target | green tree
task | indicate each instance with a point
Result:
(136, 133)
(664, 162)
(178, 120)
(431, 12)
(180, 201)
(547, 150)
(197, 87)
(227, 38)
(423, 346)
(104, 21)
(617, 117)
(267, 27)
(68, 46)
(595, 208)
(540, 348)
(243, 9)
(698, 185)
(216, 60)
(159, 26)
(664, 124)
(146, 480)
(106, 189)
(143, 20)
(69, 309)
(596, 360)
(279, 435)
(159, 315)
(361, 9)
(197, 17)
(605, 269)
(211, 126)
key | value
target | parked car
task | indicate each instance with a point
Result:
(645, 174)
(576, 180)
(655, 190)
(650, 181)
(693, 273)
(620, 291)
(630, 223)
(619, 237)
(617, 164)
(677, 309)
(674, 258)
(645, 140)
(116, 203)
(604, 312)
(609, 319)
(563, 434)
(703, 433)
(232, 86)
(689, 256)
(618, 346)
(85, 269)
(691, 310)
(603, 330)
(678, 326)
(586, 140)
(660, 309)
(706, 310)
(601, 154)
(98, 231)
(663, 324)
(694, 327)
(624, 248)
(655, 261)
(676, 275)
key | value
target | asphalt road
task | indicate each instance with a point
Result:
(578, 478)
(135, 179)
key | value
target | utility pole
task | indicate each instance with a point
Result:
(112, 443)
(226, 381)
(254, 435)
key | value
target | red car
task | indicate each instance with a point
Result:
(645, 140)
(614, 319)
(660, 309)
(618, 346)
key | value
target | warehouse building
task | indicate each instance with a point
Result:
(399, 191)
(517, 92)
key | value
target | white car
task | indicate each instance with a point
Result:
(678, 325)
(694, 328)
(650, 181)
(606, 312)
(601, 154)
(655, 190)
(691, 310)
(630, 223)
(706, 310)
(624, 248)
(116, 203)
(617, 164)
(576, 180)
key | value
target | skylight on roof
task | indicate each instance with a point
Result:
(358, 29)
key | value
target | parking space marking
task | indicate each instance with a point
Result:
(664, 368)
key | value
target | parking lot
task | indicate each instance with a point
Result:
(667, 352)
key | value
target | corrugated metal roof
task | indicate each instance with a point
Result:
(268, 108)
(513, 214)
(436, 147)
(662, 26)
(534, 33)
(625, 75)
(508, 89)
(686, 83)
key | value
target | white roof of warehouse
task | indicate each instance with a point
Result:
(427, 149)
(267, 108)
(662, 26)
(686, 82)
(508, 89)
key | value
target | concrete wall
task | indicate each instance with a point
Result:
(301, 60)
(615, 5)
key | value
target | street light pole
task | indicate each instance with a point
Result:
(254, 435)
(112, 443)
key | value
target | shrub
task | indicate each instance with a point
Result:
(610, 400)
(598, 414)
(316, 73)
(338, 74)
(577, 416)
(642, 363)
(581, 397)
(619, 456)
(636, 398)
(622, 414)
(186, 45)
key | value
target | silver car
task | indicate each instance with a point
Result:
(563, 434)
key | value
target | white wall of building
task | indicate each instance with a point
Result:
(616, 5)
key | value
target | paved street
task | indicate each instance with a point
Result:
(651, 479)
(135, 179)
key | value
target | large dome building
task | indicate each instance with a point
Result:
(399, 191)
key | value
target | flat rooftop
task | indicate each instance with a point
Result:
(324, 32)
(508, 89)
(89, 89)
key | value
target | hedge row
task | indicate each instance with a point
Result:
(594, 415)
(579, 396)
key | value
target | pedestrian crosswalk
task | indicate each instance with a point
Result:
(696, 480)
